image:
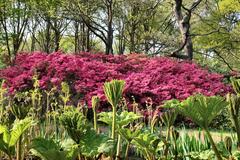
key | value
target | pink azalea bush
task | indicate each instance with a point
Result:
(158, 78)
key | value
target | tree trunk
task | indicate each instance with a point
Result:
(83, 37)
(76, 37)
(88, 40)
(109, 48)
(134, 24)
(57, 36)
(146, 41)
(121, 45)
(47, 36)
(184, 27)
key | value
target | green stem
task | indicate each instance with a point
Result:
(114, 122)
(167, 145)
(213, 145)
(95, 120)
(118, 147)
(47, 103)
(148, 155)
(236, 124)
(127, 150)
(19, 149)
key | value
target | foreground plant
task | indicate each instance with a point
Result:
(9, 138)
(75, 124)
(168, 118)
(90, 144)
(20, 108)
(234, 107)
(148, 144)
(95, 105)
(202, 110)
(129, 134)
(122, 120)
(113, 91)
(50, 149)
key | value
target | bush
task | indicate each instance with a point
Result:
(159, 78)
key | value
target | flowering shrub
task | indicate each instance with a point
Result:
(159, 78)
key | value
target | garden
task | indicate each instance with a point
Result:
(119, 80)
(97, 106)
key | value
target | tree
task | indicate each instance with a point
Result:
(14, 17)
(90, 15)
(183, 21)
(216, 34)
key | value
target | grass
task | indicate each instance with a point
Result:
(218, 135)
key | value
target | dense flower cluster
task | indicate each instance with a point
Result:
(159, 78)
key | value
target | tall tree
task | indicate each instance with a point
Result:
(14, 17)
(98, 17)
(184, 25)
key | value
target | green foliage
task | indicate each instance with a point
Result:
(148, 144)
(234, 106)
(236, 85)
(21, 105)
(87, 139)
(122, 119)
(203, 155)
(192, 144)
(129, 134)
(113, 91)
(95, 102)
(65, 96)
(91, 144)
(168, 118)
(49, 149)
(9, 138)
(95, 105)
(201, 109)
(75, 124)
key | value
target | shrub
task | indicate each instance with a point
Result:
(159, 78)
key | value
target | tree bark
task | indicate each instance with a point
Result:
(109, 48)
(88, 40)
(121, 43)
(47, 36)
(184, 27)
(57, 39)
(76, 37)
(133, 29)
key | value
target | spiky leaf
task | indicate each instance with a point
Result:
(113, 91)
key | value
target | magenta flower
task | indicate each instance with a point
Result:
(159, 78)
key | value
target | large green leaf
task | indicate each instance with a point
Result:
(3, 129)
(75, 123)
(122, 119)
(148, 144)
(128, 134)
(202, 109)
(71, 148)
(5, 134)
(4, 146)
(90, 143)
(107, 147)
(47, 149)
(113, 91)
(19, 127)
(50, 150)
